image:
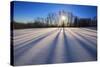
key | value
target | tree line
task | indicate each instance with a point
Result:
(52, 21)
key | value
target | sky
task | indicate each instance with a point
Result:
(28, 11)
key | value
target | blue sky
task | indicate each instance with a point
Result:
(28, 11)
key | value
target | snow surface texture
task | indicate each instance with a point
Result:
(54, 45)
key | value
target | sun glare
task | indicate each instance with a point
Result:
(63, 18)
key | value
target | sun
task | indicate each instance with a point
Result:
(63, 18)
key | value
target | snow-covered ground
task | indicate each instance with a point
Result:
(54, 45)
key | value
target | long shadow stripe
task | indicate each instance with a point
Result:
(86, 38)
(89, 35)
(89, 30)
(68, 52)
(40, 36)
(52, 49)
(20, 51)
(94, 36)
(26, 34)
(23, 31)
(90, 50)
(22, 36)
